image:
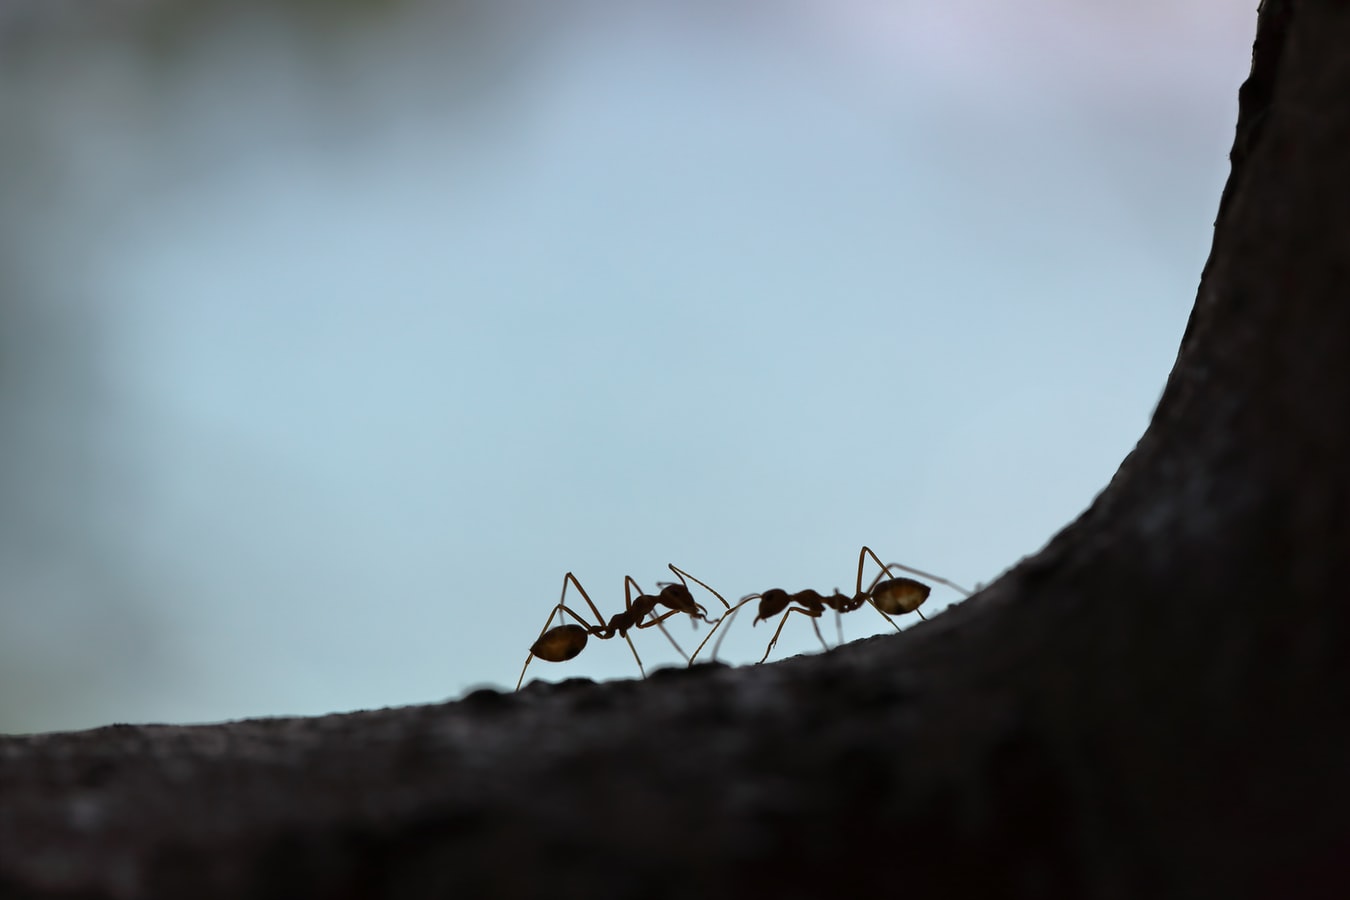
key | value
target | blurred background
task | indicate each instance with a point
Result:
(333, 334)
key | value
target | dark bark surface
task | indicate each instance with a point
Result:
(1156, 704)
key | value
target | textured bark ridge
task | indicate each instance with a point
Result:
(1156, 704)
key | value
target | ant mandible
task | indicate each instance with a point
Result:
(563, 642)
(889, 596)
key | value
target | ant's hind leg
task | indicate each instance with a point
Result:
(820, 637)
(529, 657)
(558, 611)
(929, 575)
(862, 558)
(886, 573)
(585, 596)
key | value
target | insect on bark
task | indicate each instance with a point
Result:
(890, 595)
(560, 643)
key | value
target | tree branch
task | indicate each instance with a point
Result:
(1153, 705)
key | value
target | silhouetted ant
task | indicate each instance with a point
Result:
(563, 642)
(889, 596)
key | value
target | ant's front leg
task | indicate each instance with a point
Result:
(724, 619)
(646, 604)
(812, 613)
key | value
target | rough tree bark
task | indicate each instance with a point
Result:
(1153, 705)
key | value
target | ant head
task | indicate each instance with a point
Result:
(678, 597)
(771, 603)
(560, 643)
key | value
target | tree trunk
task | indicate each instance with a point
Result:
(1153, 705)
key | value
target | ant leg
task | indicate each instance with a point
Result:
(886, 570)
(641, 670)
(862, 558)
(585, 596)
(782, 622)
(820, 637)
(872, 603)
(628, 585)
(774, 640)
(657, 620)
(885, 573)
(858, 591)
(725, 618)
(529, 657)
(929, 575)
(558, 611)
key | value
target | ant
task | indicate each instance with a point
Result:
(563, 642)
(889, 596)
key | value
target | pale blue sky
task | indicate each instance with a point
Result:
(385, 332)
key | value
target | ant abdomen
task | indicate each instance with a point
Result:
(897, 596)
(561, 643)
